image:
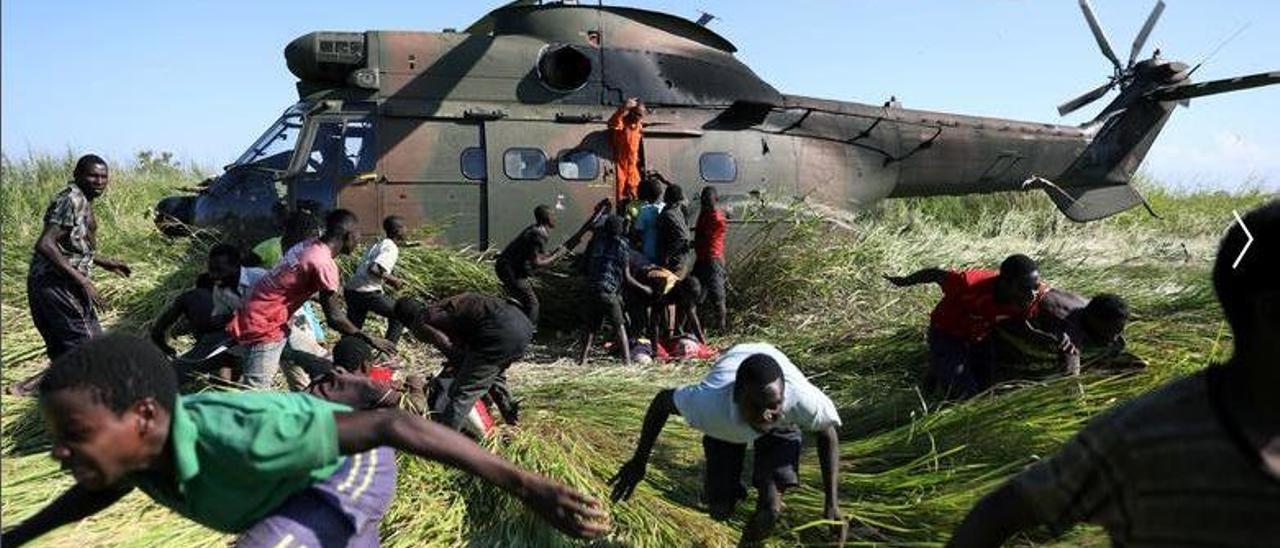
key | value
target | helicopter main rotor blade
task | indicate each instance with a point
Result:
(1141, 40)
(1088, 97)
(1216, 86)
(1103, 43)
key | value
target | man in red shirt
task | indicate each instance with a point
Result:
(708, 243)
(261, 324)
(625, 128)
(973, 301)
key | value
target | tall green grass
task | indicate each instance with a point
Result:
(911, 466)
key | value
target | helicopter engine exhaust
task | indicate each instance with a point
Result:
(563, 68)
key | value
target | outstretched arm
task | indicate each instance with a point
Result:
(113, 266)
(335, 314)
(160, 329)
(922, 276)
(630, 279)
(433, 336)
(565, 509)
(625, 481)
(543, 260)
(994, 519)
(74, 505)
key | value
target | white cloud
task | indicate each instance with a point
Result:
(1228, 160)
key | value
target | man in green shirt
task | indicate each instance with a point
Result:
(276, 468)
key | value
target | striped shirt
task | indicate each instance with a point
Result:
(1168, 468)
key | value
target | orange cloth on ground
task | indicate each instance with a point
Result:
(624, 138)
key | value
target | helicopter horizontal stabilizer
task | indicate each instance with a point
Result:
(1082, 204)
(1225, 85)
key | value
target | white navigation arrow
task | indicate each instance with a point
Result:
(1246, 244)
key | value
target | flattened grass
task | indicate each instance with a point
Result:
(911, 466)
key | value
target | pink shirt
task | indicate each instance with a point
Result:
(306, 269)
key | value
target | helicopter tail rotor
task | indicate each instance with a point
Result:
(1123, 74)
(1141, 39)
(1101, 37)
(1154, 79)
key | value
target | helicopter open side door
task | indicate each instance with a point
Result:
(559, 164)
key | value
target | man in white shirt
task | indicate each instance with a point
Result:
(753, 395)
(364, 292)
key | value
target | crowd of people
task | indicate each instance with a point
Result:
(314, 465)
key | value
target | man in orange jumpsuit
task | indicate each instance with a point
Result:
(625, 128)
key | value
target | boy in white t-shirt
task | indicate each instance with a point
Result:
(753, 395)
(364, 292)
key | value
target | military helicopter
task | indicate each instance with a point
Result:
(469, 130)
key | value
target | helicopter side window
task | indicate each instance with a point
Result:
(524, 164)
(579, 165)
(718, 167)
(473, 163)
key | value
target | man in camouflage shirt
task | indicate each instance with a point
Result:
(61, 295)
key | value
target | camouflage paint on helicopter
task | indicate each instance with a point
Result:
(471, 129)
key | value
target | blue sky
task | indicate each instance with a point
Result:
(202, 79)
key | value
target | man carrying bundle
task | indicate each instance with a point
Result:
(973, 301)
(524, 256)
(275, 469)
(480, 335)
(753, 395)
(1195, 462)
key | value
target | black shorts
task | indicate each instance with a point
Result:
(711, 275)
(777, 462)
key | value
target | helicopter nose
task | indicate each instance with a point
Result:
(174, 215)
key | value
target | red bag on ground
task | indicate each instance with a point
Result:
(685, 348)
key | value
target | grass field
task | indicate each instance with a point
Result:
(910, 469)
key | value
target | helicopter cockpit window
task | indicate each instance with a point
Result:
(473, 163)
(342, 150)
(274, 148)
(524, 164)
(718, 167)
(579, 165)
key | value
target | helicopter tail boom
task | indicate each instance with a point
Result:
(1096, 184)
